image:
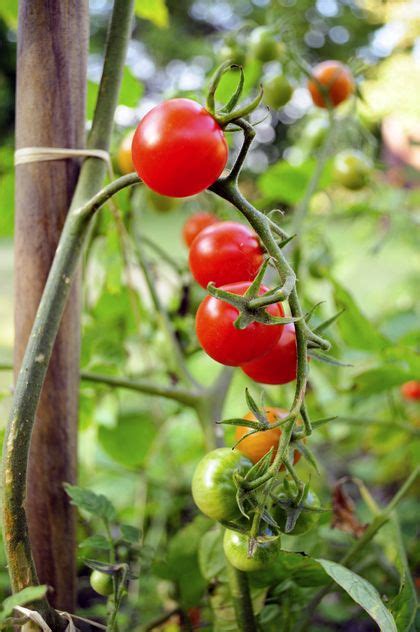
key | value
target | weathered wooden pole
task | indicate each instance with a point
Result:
(50, 112)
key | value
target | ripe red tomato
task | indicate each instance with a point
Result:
(226, 252)
(179, 149)
(258, 444)
(195, 224)
(336, 78)
(222, 341)
(278, 366)
(411, 390)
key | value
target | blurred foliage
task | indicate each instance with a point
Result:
(360, 253)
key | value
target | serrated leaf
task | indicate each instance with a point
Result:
(362, 592)
(380, 379)
(130, 534)
(96, 542)
(95, 504)
(25, 596)
(153, 10)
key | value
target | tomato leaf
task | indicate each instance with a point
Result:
(155, 11)
(95, 542)
(380, 379)
(21, 598)
(362, 592)
(283, 182)
(210, 554)
(130, 534)
(95, 504)
(129, 442)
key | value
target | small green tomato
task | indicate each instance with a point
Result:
(101, 583)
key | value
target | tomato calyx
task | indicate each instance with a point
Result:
(228, 113)
(251, 305)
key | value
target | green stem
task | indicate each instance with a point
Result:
(378, 522)
(29, 385)
(241, 597)
(182, 395)
(209, 407)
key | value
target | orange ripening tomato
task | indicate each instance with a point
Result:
(258, 444)
(337, 80)
(124, 159)
(411, 390)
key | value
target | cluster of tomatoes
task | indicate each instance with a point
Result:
(229, 255)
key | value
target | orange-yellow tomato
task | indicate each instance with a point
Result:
(337, 80)
(124, 159)
(258, 444)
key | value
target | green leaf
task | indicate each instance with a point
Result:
(362, 592)
(283, 182)
(357, 331)
(130, 534)
(9, 13)
(131, 89)
(128, 442)
(95, 542)
(377, 380)
(27, 595)
(95, 504)
(210, 554)
(155, 11)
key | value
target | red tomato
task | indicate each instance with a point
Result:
(278, 366)
(179, 149)
(195, 224)
(258, 444)
(222, 341)
(227, 252)
(336, 78)
(411, 390)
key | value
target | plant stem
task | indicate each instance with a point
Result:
(239, 589)
(29, 385)
(209, 406)
(378, 522)
(182, 395)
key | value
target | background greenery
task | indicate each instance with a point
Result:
(360, 253)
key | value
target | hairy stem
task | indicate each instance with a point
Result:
(239, 589)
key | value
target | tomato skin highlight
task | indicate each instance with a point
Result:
(258, 444)
(307, 519)
(124, 158)
(278, 366)
(179, 149)
(336, 78)
(411, 390)
(101, 583)
(235, 546)
(227, 252)
(195, 224)
(222, 341)
(213, 488)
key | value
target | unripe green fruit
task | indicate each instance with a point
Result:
(263, 45)
(352, 169)
(277, 92)
(102, 583)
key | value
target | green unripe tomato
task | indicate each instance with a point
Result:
(235, 546)
(307, 519)
(263, 45)
(232, 52)
(102, 583)
(352, 169)
(213, 488)
(160, 203)
(277, 91)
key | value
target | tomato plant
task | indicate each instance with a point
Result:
(195, 224)
(337, 81)
(263, 44)
(302, 516)
(227, 252)
(277, 91)
(235, 546)
(278, 366)
(179, 149)
(213, 487)
(226, 344)
(257, 445)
